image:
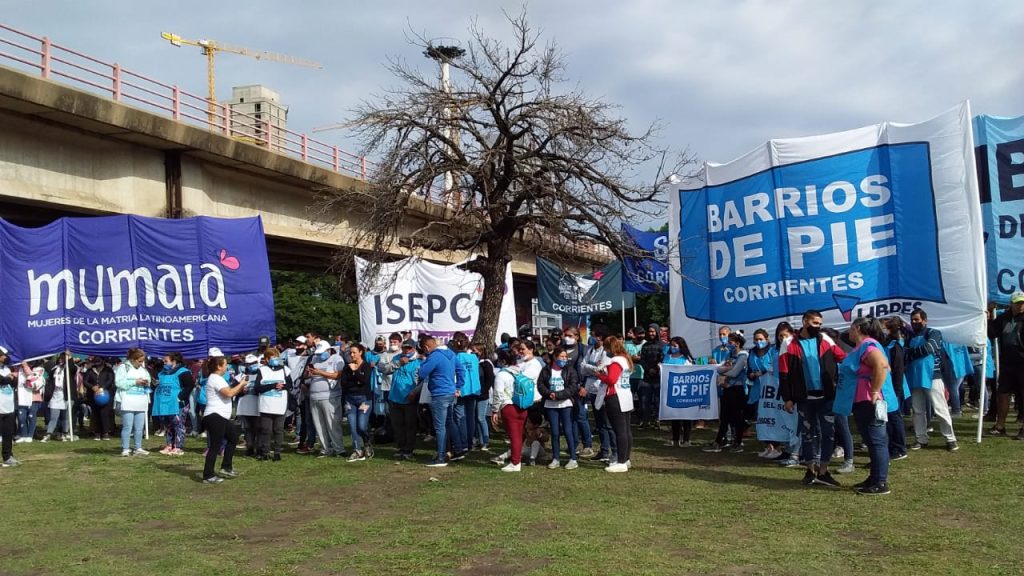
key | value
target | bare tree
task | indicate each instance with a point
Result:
(537, 167)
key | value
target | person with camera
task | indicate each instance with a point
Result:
(325, 397)
(133, 385)
(217, 419)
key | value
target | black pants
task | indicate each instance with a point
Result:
(251, 425)
(734, 400)
(271, 433)
(684, 426)
(8, 428)
(620, 423)
(219, 429)
(404, 418)
(102, 421)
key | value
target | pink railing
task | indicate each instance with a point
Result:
(56, 62)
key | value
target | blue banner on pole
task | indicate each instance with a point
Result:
(103, 285)
(646, 275)
(999, 151)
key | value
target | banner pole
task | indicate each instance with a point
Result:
(982, 398)
(67, 395)
(635, 322)
(623, 308)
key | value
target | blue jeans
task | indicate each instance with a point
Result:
(465, 423)
(27, 417)
(58, 417)
(442, 410)
(874, 434)
(483, 431)
(579, 416)
(897, 434)
(817, 431)
(650, 397)
(842, 435)
(562, 424)
(604, 429)
(132, 422)
(953, 387)
(358, 419)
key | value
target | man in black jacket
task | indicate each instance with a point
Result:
(808, 372)
(1008, 327)
(652, 354)
(100, 376)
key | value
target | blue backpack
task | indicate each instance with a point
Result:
(523, 390)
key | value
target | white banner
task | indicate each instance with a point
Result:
(427, 297)
(874, 221)
(689, 392)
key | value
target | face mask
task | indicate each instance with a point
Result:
(252, 368)
(393, 348)
(761, 344)
(724, 340)
(592, 341)
(323, 356)
(787, 341)
(168, 369)
(570, 341)
(673, 350)
(917, 326)
(813, 331)
(411, 354)
(274, 362)
(561, 363)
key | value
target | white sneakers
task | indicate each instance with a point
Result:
(126, 453)
(510, 467)
(572, 465)
(769, 453)
(555, 464)
(617, 467)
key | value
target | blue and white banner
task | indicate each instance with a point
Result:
(774, 424)
(873, 221)
(1000, 154)
(103, 285)
(646, 275)
(688, 392)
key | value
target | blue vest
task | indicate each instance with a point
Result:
(469, 361)
(757, 363)
(165, 397)
(919, 372)
(903, 385)
(847, 387)
(403, 381)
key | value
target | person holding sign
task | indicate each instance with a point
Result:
(615, 394)
(733, 381)
(133, 382)
(679, 353)
(808, 371)
(761, 364)
(558, 384)
(865, 389)
(924, 374)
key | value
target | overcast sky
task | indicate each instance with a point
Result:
(722, 77)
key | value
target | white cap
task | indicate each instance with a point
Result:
(300, 339)
(251, 359)
(4, 351)
(214, 352)
(322, 347)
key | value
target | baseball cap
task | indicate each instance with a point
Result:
(4, 351)
(300, 339)
(409, 343)
(251, 359)
(214, 352)
(322, 347)
(1017, 296)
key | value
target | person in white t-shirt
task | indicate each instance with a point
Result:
(8, 410)
(558, 384)
(133, 385)
(217, 419)
(325, 397)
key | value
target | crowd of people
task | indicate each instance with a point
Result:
(455, 395)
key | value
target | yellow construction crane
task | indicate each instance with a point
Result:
(210, 49)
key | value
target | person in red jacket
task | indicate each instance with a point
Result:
(808, 371)
(618, 398)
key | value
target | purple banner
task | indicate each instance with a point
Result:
(105, 284)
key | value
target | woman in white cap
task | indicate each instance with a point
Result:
(217, 420)
(273, 381)
(8, 410)
(325, 398)
(248, 409)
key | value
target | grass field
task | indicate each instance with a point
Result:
(79, 508)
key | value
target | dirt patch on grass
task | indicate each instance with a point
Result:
(320, 563)
(865, 543)
(497, 564)
(957, 519)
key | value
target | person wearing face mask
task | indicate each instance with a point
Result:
(273, 381)
(99, 377)
(558, 384)
(924, 357)
(133, 383)
(483, 405)
(760, 372)
(384, 366)
(1008, 328)
(634, 343)
(326, 399)
(443, 376)
(403, 398)
(596, 359)
(170, 402)
(248, 407)
(576, 352)
(464, 415)
(8, 411)
(789, 458)
(894, 351)
(652, 353)
(722, 351)
(732, 380)
(808, 371)
(679, 353)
